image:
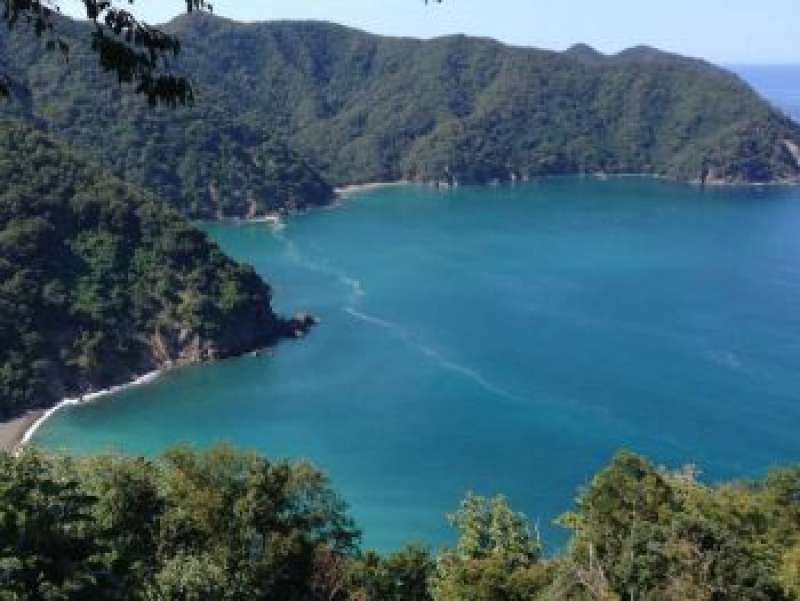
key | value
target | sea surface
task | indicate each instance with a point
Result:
(778, 83)
(504, 340)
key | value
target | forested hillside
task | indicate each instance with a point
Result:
(207, 162)
(222, 524)
(100, 282)
(465, 109)
(358, 107)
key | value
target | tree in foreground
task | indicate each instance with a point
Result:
(497, 557)
(219, 524)
(402, 576)
(643, 533)
(136, 52)
(223, 524)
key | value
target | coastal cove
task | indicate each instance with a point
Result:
(504, 339)
(430, 302)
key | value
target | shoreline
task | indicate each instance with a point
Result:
(13, 431)
(17, 433)
(268, 218)
(350, 189)
(278, 220)
(273, 219)
(344, 192)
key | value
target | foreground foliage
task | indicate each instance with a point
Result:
(223, 524)
(134, 51)
(216, 525)
(100, 282)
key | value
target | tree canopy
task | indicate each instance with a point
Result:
(136, 52)
(190, 526)
(224, 524)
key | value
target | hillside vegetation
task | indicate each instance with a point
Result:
(348, 107)
(207, 162)
(222, 524)
(459, 108)
(100, 282)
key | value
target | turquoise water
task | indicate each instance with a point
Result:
(505, 339)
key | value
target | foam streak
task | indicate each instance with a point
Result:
(435, 355)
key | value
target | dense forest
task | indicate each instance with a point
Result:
(223, 524)
(208, 163)
(282, 108)
(100, 282)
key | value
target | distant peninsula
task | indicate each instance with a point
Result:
(287, 111)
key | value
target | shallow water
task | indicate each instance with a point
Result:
(503, 339)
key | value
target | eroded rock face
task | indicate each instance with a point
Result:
(794, 150)
(300, 325)
(249, 333)
(168, 351)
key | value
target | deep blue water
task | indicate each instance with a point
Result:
(778, 83)
(504, 339)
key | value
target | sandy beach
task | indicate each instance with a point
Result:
(356, 188)
(12, 432)
(18, 432)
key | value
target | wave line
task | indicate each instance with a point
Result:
(466, 372)
(354, 285)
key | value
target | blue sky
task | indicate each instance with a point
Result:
(724, 31)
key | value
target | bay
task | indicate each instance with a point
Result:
(501, 339)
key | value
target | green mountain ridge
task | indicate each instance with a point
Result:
(344, 106)
(462, 109)
(100, 282)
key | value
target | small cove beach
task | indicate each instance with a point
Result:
(13, 431)
(18, 432)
